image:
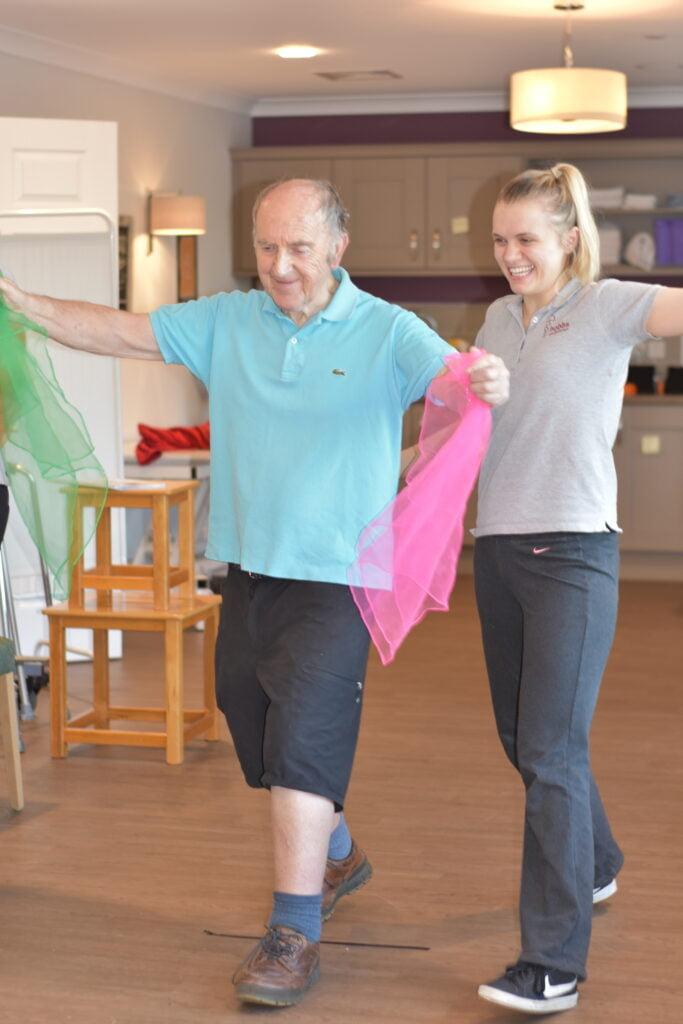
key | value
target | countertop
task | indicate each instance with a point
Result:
(660, 400)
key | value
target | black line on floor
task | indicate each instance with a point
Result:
(327, 942)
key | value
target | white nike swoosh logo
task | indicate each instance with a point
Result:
(539, 551)
(551, 991)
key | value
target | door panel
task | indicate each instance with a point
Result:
(650, 488)
(57, 165)
(461, 195)
(386, 200)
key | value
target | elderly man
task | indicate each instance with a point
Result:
(307, 380)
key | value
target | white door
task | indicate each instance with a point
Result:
(63, 168)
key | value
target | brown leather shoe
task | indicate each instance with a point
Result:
(280, 969)
(343, 877)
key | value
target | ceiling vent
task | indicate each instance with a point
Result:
(357, 76)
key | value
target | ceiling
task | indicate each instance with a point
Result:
(218, 51)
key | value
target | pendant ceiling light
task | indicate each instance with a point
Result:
(568, 100)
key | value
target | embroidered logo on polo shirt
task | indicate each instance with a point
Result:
(339, 373)
(554, 326)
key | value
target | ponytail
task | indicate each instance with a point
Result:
(563, 189)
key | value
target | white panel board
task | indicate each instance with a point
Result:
(61, 166)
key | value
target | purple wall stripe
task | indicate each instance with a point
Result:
(487, 126)
(434, 289)
(456, 289)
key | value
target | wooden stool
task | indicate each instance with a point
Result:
(9, 725)
(160, 577)
(136, 613)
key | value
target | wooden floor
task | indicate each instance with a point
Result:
(127, 885)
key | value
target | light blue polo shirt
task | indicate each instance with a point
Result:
(305, 421)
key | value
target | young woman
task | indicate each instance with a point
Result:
(546, 554)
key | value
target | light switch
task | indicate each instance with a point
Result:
(650, 444)
(460, 225)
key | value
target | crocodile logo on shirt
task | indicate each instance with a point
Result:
(554, 326)
(339, 373)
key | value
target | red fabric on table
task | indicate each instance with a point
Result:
(155, 440)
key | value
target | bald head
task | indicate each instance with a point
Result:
(322, 195)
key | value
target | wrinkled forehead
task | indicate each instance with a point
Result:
(293, 215)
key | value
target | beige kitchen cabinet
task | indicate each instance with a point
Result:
(461, 194)
(413, 214)
(386, 200)
(249, 177)
(409, 215)
(424, 209)
(648, 455)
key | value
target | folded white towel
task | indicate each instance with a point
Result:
(607, 198)
(639, 201)
(610, 244)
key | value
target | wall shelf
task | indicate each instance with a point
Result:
(622, 211)
(624, 270)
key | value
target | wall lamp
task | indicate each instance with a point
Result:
(184, 217)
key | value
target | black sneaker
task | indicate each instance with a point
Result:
(603, 892)
(532, 988)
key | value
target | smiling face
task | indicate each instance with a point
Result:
(533, 256)
(296, 250)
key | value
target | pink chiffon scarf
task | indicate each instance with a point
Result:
(406, 558)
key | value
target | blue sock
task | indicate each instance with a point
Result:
(340, 841)
(299, 912)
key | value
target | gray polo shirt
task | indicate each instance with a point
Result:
(549, 466)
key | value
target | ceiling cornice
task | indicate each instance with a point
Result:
(428, 103)
(396, 103)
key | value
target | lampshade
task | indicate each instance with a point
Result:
(177, 215)
(568, 100)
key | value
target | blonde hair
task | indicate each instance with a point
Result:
(564, 191)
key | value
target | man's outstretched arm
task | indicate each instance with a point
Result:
(85, 325)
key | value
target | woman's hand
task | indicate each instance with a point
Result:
(490, 380)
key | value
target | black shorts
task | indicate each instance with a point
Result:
(290, 670)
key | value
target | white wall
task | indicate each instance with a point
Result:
(166, 145)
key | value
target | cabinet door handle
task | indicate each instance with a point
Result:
(413, 241)
(436, 240)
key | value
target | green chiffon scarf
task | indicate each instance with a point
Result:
(45, 449)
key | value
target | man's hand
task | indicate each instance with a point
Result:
(490, 380)
(10, 292)
(15, 298)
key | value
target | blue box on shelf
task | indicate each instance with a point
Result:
(669, 242)
(663, 242)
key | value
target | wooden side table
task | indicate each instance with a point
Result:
(161, 577)
(134, 612)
